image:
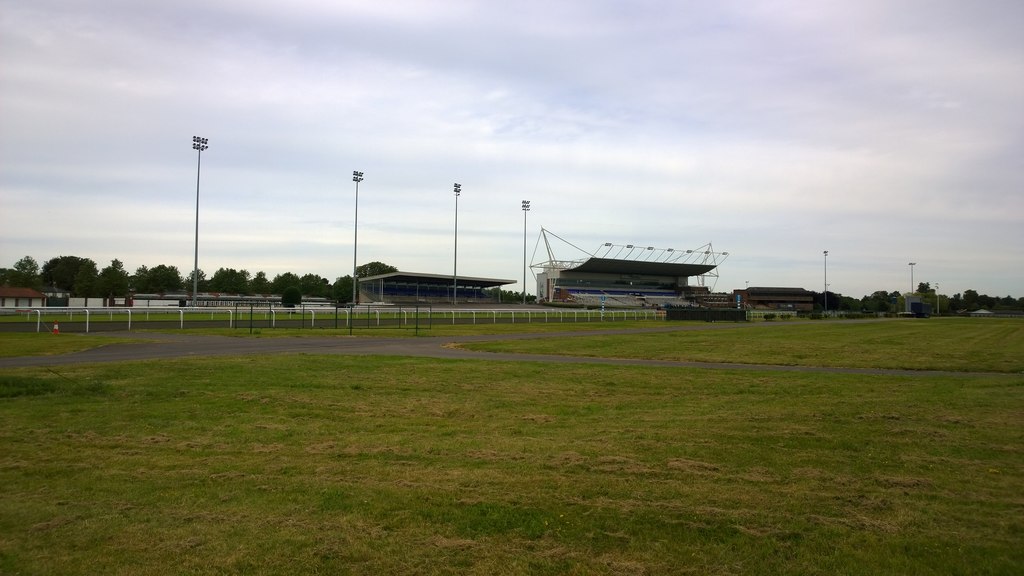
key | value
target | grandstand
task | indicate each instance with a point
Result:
(415, 287)
(627, 276)
(776, 298)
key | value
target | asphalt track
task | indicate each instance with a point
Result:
(163, 345)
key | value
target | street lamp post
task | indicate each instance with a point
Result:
(198, 144)
(357, 177)
(455, 264)
(526, 208)
(937, 299)
(911, 264)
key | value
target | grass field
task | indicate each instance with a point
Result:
(959, 344)
(374, 465)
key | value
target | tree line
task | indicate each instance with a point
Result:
(83, 278)
(884, 301)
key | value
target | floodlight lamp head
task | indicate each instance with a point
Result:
(357, 176)
(526, 205)
(458, 189)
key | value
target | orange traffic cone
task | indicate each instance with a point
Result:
(56, 328)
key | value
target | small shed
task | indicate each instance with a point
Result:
(11, 297)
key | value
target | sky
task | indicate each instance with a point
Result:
(886, 132)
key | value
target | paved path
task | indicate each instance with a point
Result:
(162, 345)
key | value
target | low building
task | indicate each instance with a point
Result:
(776, 298)
(21, 298)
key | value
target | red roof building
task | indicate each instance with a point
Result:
(21, 298)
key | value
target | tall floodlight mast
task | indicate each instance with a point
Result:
(526, 208)
(455, 263)
(198, 144)
(357, 177)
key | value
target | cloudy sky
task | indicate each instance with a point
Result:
(883, 131)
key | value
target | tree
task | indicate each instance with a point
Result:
(878, 301)
(283, 281)
(291, 296)
(25, 274)
(189, 282)
(374, 269)
(162, 279)
(849, 304)
(259, 284)
(924, 287)
(955, 303)
(113, 280)
(230, 280)
(343, 289)
(87, 280)
(60, 272)
(314, 285)
(971, 299)
(138, 280)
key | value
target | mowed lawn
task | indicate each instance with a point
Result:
(958, 344)
(306, 464)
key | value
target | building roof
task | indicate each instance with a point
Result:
(439, 279)
(639, 267)
(769, 290)
(13, 292)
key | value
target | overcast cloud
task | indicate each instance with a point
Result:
(883, 131)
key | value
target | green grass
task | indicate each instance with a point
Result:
(371, 465)
(41, 344)
(959, 344)
(437, 329)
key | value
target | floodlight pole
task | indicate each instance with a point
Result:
(912, 264)
(455, 263)
(198, 144)
(526, 208)
(826, 282)
(357, 177)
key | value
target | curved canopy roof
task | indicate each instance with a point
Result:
(613, 266)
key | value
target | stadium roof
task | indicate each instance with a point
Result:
(421, 278)
(640, 267)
